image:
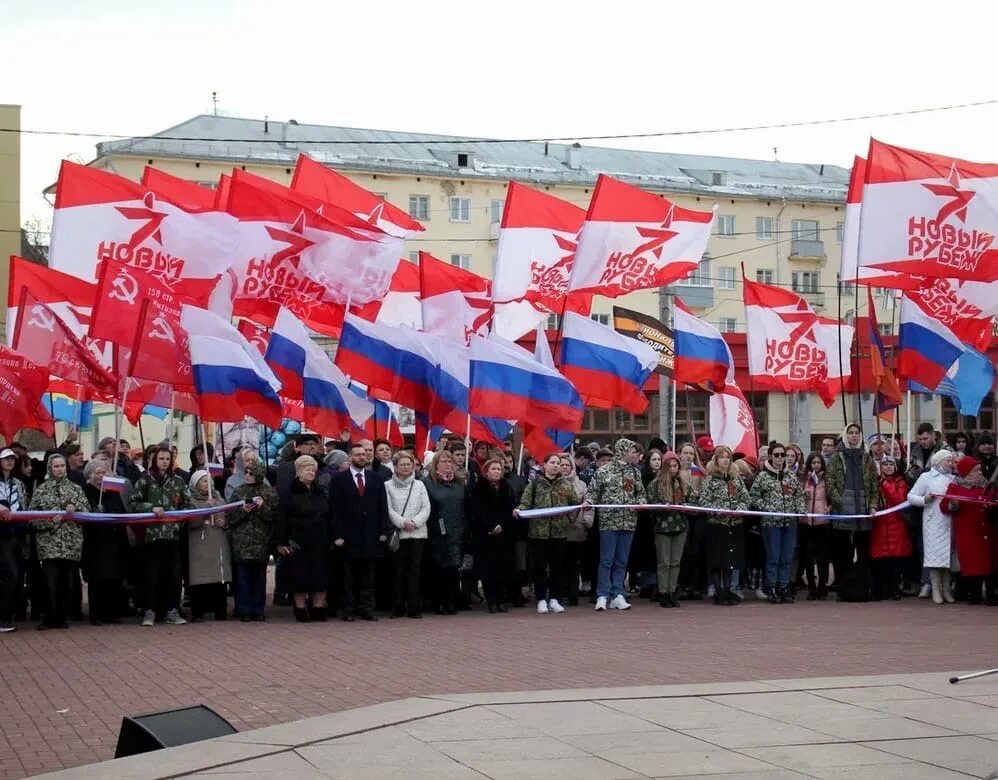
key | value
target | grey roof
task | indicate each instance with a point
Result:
(239, 140)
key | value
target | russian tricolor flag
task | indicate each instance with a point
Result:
(543, 441)
(330, 406)
(609, 369)
(231, 379)
(393, 361)
(113, 484)
(927, 348)
(701, 354)
(507, 382)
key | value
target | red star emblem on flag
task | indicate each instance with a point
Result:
(806, 319)
(959, 199)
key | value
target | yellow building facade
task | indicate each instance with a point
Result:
(10, 195)
(782, 223)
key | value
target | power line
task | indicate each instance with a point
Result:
(566, 137)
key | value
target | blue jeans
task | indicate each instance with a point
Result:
(251, 588)
(779, 543)
(614, 547)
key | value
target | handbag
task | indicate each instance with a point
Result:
(395, 540)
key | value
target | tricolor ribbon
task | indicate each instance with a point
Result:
(561, 510)
(177, 516)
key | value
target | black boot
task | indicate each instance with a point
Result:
(774, 595)
(317, 614)
(787, 596)
(301, 615)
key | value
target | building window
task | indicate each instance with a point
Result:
(460, 209)
(954, 422)
(691, 417)
(414, 257)
(884, 328)
(495, 210)
(725, 225)
(602, 319)
(728, 325)
(553, 322)
(419, 206)
(840, 231)
(805, 230)
(805, 281)
(764, 227)
(382, 195)
(764, 276)
(845, 288)
(699, 278)
(726, 278)
(461, 261)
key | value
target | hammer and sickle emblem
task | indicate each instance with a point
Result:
(125, 288)
(161, 330)
(42, 318)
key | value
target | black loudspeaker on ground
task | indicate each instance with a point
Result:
(169, 728)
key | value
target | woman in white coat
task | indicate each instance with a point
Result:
(408, 509)
(937, 534)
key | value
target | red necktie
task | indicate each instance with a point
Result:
(360, 482)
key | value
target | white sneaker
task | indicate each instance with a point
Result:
(555, 606)
(173, 618)
(711, 590)
(601, 603)
(619, 602)
(542, 607)
(760, 594)
(149, 618)
(925, 592)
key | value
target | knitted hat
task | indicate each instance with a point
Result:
(965, 465)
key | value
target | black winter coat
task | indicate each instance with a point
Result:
(105, 545)
(491, 507)
(303, 518)
(359, 519)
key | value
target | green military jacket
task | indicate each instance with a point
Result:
(544, 493)
(728, 493)
(58, 539)
(775, 493)
(250, 531)
(171, 494)
(835, 479)
(669, 521)
(617, 483)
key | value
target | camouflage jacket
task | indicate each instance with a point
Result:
(250, 531)
(835, 479)
(617, 483)
(171, 494)
(669, 521)
(58, 539)
(775, 493)
(728, 493)
(543, 493)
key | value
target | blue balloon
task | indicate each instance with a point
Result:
(268, 451)
(291, 427)
(278, 439)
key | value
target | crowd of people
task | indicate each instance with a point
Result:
(357, 528)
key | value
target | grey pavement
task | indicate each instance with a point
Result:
(904, 726)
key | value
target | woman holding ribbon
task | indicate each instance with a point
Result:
(724, 491)
(670, 526)
(209, 556)
(160, 490)
(937, 548)
(59, 542)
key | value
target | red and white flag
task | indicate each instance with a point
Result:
(42, 337)
(315, 179)
(633, 240)
(22, 383)
(967, 308)
(299, 259)
(537, 242)
(790, 348)
(732, 423)
(101, 216)
(929, 215)
(142, 393)
(401, 304)
(456, 303)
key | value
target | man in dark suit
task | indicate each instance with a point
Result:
(358, 506)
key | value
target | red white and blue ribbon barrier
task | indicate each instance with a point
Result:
(139, 518)
(561, 510)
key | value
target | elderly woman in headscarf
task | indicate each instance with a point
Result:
(209, 558)
(937, 549)
(59, 542)
(250, 526)
(105, 546)
(301, 536)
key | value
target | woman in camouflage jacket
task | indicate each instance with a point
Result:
(723, 489)
(160, 490)
(546, 536)
(670, 526)
(776, 491)
(250, 527)
(59, 542)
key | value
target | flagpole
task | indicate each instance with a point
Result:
(467, 445)
(388, 427)
(204, 447)
(674, 401)
(907, 442)
(859, 358)
(519, 460)
(842, 379)
(118, 413)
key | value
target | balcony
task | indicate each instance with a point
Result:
(807, 249)
(816, 299)
(694, 296)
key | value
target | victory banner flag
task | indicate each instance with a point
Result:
(456, 303)
(22, 384)
(632, 240)
(792, 349)
(183, 192)
(650, 331)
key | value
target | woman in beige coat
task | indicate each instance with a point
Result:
(210, 559)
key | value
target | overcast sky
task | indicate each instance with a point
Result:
(506, 69)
